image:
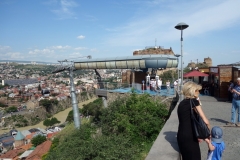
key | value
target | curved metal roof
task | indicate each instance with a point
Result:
(129, 62)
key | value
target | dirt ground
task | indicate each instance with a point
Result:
(61, 116)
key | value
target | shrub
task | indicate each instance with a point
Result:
(137, 116)
(87, 144)
(38, 140)
(124, 130)
(51, 122)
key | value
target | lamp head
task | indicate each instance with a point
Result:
(181, 26)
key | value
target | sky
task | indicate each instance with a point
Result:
(55, 30)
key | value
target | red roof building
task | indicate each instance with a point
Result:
(40, 150)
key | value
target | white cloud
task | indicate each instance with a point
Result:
(65, 11)
(60, 47)
(75, 55)
(93, 50)
(13, 56)
(235, 52)
(81, 37)
(202, 17)
(80, 48)
(4, 48)
(215, 17)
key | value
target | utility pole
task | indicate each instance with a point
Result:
(70, 68)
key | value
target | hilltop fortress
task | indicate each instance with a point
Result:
(154, 50)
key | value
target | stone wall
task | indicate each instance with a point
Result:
(157, 50)
(208, 61)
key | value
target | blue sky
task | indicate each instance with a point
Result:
(52, 30)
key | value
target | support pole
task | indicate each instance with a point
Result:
(74, 100)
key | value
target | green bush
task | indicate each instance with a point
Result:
(86, 144)
(11, 109)
(124, 130)
(139, 117)
(70, 116)
(18, 125)
(51, 122)
(38, 140)
(93, 109)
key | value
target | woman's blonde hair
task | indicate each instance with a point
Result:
(190, 88)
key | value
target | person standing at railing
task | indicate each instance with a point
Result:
(175, 86)
(168, 86)
(154, 85)
(151, 84)
(159, 84)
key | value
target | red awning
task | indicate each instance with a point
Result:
(195, 73)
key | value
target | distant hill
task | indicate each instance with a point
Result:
(28, 62)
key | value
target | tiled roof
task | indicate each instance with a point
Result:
(50, 135)
(40, 151)
(26, 146)
(12, 153)
(30, 136)
(7, 141)
(25, 154)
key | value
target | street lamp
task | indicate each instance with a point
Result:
(181, 26)
(177, 55)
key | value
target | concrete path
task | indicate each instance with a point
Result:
(219, 113)
(61, 116)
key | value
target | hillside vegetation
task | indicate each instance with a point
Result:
(125, 130)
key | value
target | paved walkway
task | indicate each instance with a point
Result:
(219, 113)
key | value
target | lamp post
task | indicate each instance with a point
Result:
(181, 26)
(177, 55)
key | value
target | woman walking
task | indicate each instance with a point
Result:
(187, 141)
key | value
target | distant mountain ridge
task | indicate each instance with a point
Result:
(30, 62)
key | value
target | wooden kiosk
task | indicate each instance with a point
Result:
(222, 75)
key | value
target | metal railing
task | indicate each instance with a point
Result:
(117, 85)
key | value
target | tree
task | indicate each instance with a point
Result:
(84, 96)
(11, 109)
(47, 122)
(51, 122)
(39, 139)
(93, 108)
(54, 121)
(170, 75)
(80, 82)
(70, 116)
(126, 129)
(48, 104)
(137, 116)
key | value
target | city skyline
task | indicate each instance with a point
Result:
(52, 30)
